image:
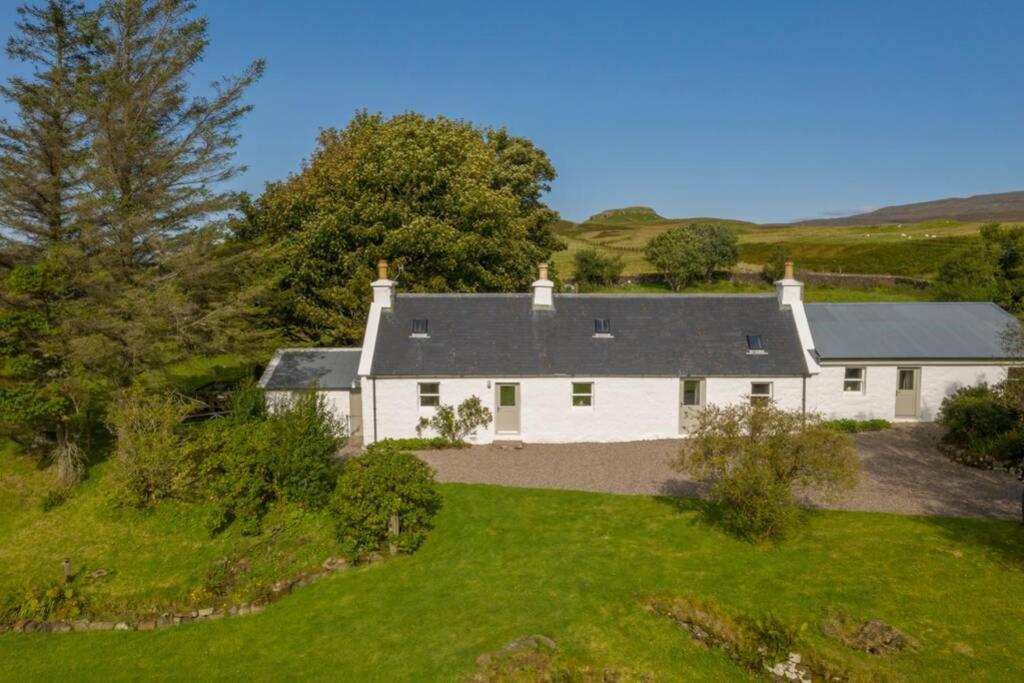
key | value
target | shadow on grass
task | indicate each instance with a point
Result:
(1002, 539)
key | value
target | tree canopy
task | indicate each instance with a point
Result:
(991, 269)
(694, 251)
(453, 206)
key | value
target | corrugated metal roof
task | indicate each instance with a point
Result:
(498, 335)
(906, 331)
(294, 369)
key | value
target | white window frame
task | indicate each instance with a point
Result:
(755, 399)
(433, 397)
(699, 381)
(588, 395)
(860, 382)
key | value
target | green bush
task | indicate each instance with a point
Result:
(374, 486)
(758, 458)
(976, 419)
(851, 426)
(454, 425)
(775, 266)
(594, 267)
(289, 455)
(419, 444)
(53, 601)
(150, 459)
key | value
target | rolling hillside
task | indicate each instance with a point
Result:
(913, 250)
(984, 208)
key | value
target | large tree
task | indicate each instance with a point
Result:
(43, 150)
(454, 207)
(147, 273)
(693, 251)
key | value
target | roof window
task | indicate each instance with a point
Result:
(419, 327)
(755, 344)
(602, 327)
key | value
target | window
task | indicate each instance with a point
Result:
(419, 327)
(430, 394)
(582, 394)
(906, 379)
(602, 326)
(760, 393)
(755, 344)
(853, 380)
(691, 392)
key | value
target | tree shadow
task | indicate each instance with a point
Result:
(1002, 540)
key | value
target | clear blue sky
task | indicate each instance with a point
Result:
(758, 110)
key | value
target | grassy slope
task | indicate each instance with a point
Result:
(156, 557)
(893, 249)
(504, 563)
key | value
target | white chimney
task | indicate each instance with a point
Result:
(383, 288)
(789, 289)
(543, 289)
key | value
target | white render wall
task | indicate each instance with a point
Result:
(624, 409)
(878, 400)
(337, 402)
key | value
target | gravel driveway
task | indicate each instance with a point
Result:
(902, 472)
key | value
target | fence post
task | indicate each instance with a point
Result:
(395, 527)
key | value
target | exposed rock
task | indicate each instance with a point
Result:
(101, 626)
(333, 564)
(205, 612)
(147, 625)
(99, 574)
(873, 636)
(122, 626)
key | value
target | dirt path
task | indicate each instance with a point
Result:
(902, 472)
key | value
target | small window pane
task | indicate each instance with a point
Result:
(602, 326)
(507, 396)
(691, 392)
(430, 394)
(582, 394)
(419, 326)
(853, 380)
(851, 386)
(906, 380)
(760, 393)
(754, 342)
(854, 373)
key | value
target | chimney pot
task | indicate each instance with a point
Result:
(788, 275)
(542, 270)
(382, 269)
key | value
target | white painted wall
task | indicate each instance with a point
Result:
(878, 400)
(337, 401)
(625, 408)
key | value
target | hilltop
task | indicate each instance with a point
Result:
(981, 208)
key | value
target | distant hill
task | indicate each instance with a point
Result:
(629, 214)
(1000, 207)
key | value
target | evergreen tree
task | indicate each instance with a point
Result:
(42, 152)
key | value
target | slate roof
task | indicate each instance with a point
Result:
(501, 335)
(908, 331)
(294, 369)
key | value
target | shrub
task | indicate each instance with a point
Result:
(593, 267)
(290, 455)
(372, 487)
(851, 426)
(70, 460)
(248, 402)
(775, 267)
(53, 601)
(454, 426)
(150, 461)
(758, 457)
(419, 444)
(975, 418)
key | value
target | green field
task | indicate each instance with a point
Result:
(909, 250)
(504, 563)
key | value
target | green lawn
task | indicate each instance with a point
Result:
(504, 563)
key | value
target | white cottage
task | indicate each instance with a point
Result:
(605, 367)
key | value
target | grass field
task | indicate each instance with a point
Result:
(160, 557)
(503, 563)
(811, 293)
(909, 250)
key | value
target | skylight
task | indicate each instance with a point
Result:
(602, 326)
(419, 326)
(755, 344)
